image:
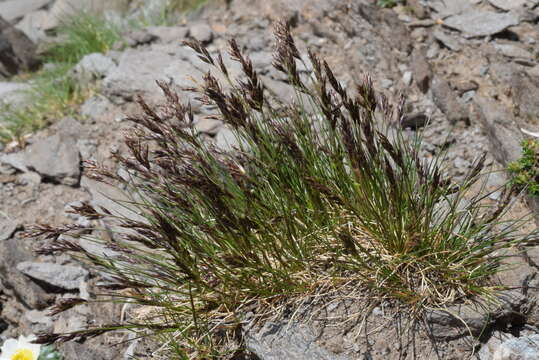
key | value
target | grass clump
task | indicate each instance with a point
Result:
(525, 171)
(82, 34)
(335, 198)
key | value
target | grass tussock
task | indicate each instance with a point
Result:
(55, 93)
(336, 197)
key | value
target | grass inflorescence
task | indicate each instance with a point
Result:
(334, 197)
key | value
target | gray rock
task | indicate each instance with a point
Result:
(17, 51)
(56, 158)
(226, 139)
(36, 321)
(7, 227)
(481, 23)
(279, 341)
(407, 78)
(421, 70)
(95, 107)
(15, 160)
(29, 178)
(447, 102)
(139, 37)
(492, 345)
(13, 94)
(508, 5)
(534, 72)
(525, 90)
(500, 128)
(522, 348)
(447, 40)
(138, 69)
(513, 51)
(33, 25)
(201, 32)
(15, 9)
(445, 8)
(87, 148)
(169, 34)
(63, 276)
(31, 295)
(208, 126)
(93, 66)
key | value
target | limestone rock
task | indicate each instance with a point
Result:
(478, 23)
(62, 276)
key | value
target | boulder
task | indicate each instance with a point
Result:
(61, 276)
(15, 9)
(56, 158)
(17, 51)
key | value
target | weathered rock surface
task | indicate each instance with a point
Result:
(56, 158)
(13, 9)
(14, 94)
(62, 276)
(17, 51)
(138, 71)
(447, 102)
(93, 67)
(7, 227)
(481, 23)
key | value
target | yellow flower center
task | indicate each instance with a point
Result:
(23, 354)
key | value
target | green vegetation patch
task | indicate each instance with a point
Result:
(525, 171)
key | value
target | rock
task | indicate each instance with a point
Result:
(35, 321)
(138, 69)
(447, 102)
(55, 158)
(30, 178)
(95, 107)
(508, 5)
(417, 9)
(61, 276)
(407, 78)
(87, 148)
(500, 127)
(139, 37)
(414, 121)
(16, 9)
(169, 34)
(513, 51)
(445, 8)
(226, 139)
(208, 126)
(525, 90)
(534, 72)
(17, 51)
(481, 23)
(33, 25)
(522, 348)
(282, 340)
(93, 67)
(421, 70)
(446, 40)
(488, 349)
(7, 227)
(201, 32)
(464, 86)
(31, 295)
(15, 160)
(14, 94)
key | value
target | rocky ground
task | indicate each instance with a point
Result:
(469, 67)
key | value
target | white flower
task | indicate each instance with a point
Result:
(21, 349)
